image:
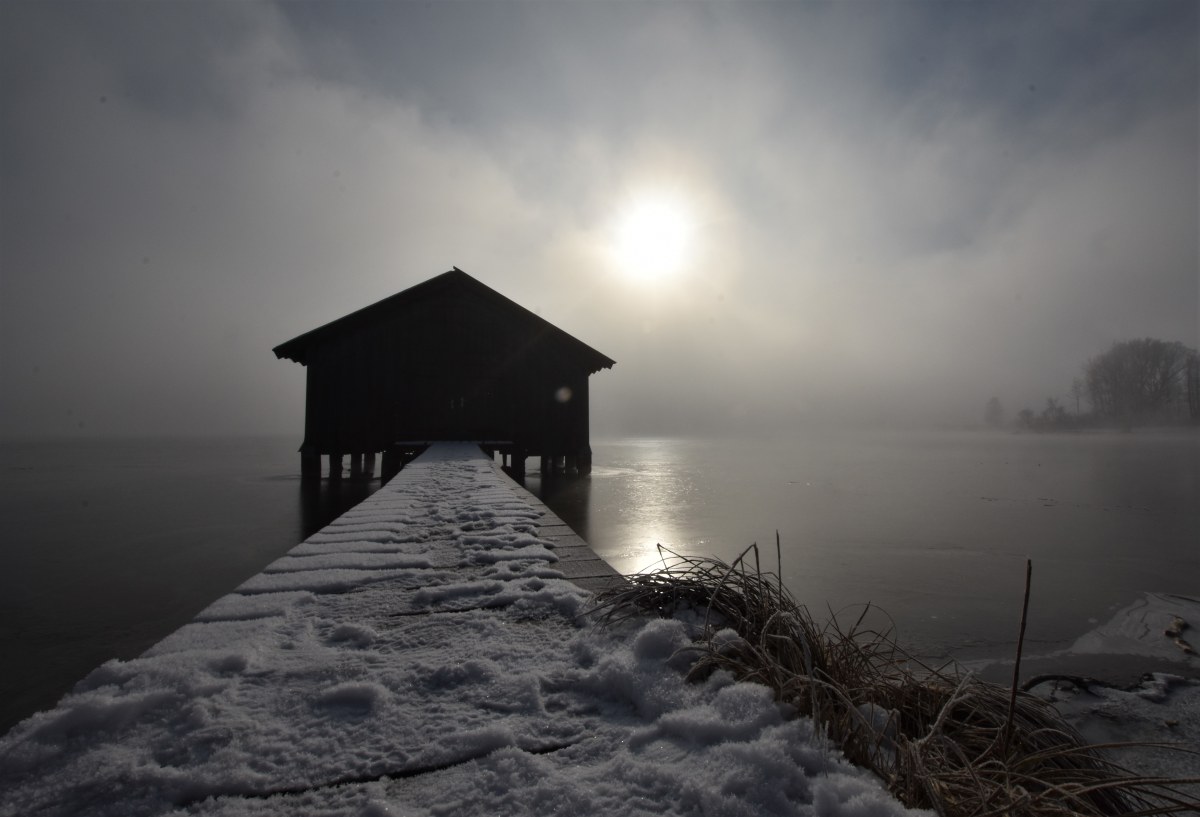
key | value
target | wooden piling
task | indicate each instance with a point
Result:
(391, 464)
(310, 466)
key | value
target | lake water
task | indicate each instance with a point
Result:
(934, 528)
(110, 545)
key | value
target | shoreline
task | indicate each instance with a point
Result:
(1127, 680)
(1146, 637)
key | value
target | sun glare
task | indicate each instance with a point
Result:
(653, 236)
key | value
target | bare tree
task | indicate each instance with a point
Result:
(1137, 380)
(1054, 416)
(1078, 390)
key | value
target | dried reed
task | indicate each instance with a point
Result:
(938, 738)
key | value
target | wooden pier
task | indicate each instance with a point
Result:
(429, 652)
(566, 552)
(379, 632)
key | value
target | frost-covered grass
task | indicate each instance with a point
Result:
(938, 737)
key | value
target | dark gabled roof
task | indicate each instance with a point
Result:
(299, 348)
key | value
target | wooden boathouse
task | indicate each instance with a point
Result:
(447, 359)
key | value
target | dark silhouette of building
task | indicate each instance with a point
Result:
(448, 359)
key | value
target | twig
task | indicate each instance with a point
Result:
(1012, 698)
(1081, 681)
(721, 584)
(779, 567)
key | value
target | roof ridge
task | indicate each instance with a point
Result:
(297, 348)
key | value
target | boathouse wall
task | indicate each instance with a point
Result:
(450, 359)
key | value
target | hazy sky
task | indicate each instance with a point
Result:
(888, 210)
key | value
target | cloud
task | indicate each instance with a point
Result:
(902, 210)
(171, 252)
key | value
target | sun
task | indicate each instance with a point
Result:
(653, 237)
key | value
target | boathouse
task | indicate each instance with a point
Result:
(448, 359)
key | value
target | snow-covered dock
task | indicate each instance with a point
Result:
(424, 654)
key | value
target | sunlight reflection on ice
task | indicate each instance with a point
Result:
(652, 513)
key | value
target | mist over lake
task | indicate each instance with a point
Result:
(110, 545)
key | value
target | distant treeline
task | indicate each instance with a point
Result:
(1136, 382)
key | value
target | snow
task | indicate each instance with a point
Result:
(1141, 629)
(423, 655)
(1162, 707)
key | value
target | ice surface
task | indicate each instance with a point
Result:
(1141, 629)
(1163, 708)
(421, 656)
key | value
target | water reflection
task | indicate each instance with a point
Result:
(569, 498)
(649, 500)
(322, 501)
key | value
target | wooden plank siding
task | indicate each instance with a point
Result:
(449, 359)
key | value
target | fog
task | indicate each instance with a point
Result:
(897, 211)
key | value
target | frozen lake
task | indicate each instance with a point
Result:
(932, 527)
(110, 545)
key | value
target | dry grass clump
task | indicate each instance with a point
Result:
(939, 738)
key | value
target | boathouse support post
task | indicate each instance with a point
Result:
(369, 464)
(356, 466)
(310, 465)
(391, 464)
(335, 466)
